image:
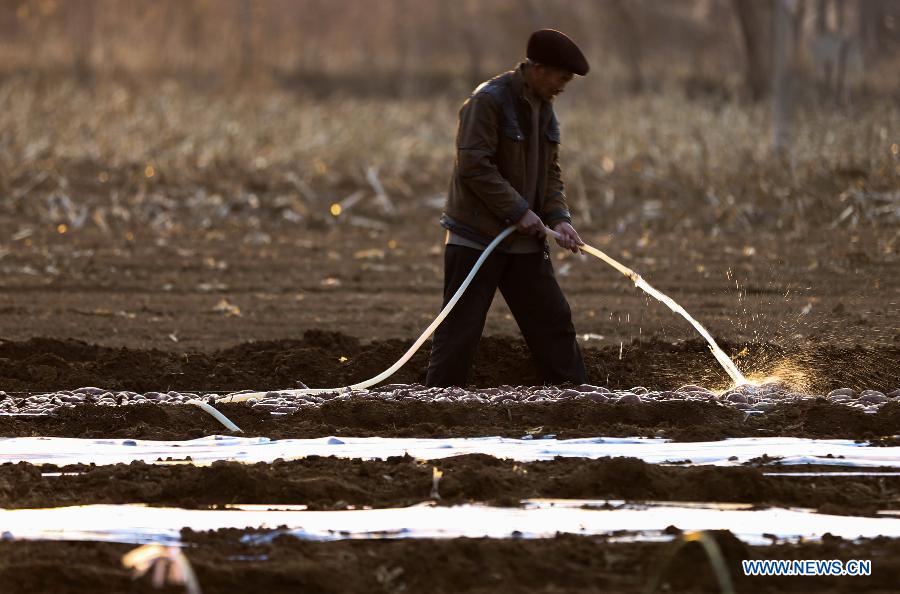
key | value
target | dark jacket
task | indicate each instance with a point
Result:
(491, 148)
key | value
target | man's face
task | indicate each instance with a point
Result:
(549, 81)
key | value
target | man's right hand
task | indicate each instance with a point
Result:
(531, 224)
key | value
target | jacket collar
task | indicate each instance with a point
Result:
(517, 82)
(517, 86)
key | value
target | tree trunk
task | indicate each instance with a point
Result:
(755, 20)
(797, 19)
(781, 101)
(869, 13)
(81, 30)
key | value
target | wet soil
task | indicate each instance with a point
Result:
(331, 483)
(566, 563)
(679, 420)
(325, 359)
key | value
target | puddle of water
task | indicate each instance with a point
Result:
(536, 519)
(728, 452)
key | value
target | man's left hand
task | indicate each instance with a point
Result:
(569, 238)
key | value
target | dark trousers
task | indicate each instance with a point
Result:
(529, 287)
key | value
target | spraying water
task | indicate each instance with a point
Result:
(724, 360)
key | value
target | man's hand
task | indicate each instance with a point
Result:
(568, 238)
(531, 224)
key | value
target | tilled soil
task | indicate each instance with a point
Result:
(801, 289)
(155, 299)
(331, 483)
(327, 359)
(563, 564)
(217, 314)
(684, 421)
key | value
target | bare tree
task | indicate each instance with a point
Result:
(797, 18)
(755, 18)
(81, 20)
(781, 83)
(875, 32)
(869, 13)
(837, 49)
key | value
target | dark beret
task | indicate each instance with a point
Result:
(553, 48)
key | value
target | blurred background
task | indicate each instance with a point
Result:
(301, 103)
(723, 144)
(720, 48)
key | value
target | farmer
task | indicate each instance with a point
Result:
(507, 173)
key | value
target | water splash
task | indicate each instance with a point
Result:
(724, 360)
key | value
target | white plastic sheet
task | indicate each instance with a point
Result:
(728, 452)
(537, 519)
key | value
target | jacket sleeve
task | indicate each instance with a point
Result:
(554, 208)
(476, 145)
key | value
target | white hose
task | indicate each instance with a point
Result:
(216, 415)
(412, 350)
(636, 278)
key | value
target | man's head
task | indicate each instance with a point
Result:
(547, 81)
(554, 60)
